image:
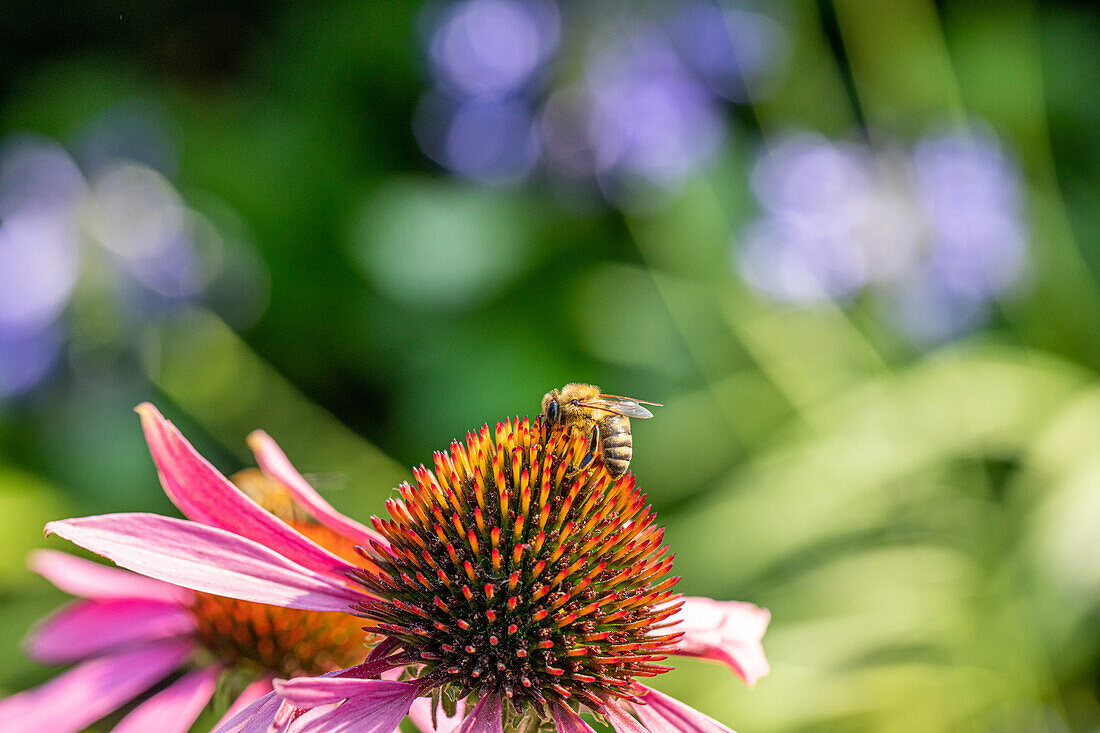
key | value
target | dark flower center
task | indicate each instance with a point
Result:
(513, 570)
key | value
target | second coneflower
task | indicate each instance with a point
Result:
(128, 633)
(516, 585)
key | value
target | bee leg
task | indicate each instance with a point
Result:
(593, 447)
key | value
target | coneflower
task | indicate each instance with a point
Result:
(513, 573)
(129, 633)
(515, 585)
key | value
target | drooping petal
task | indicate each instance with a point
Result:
(97, 626)
(664, 713)
(275, 464)
(309, 692)
(421, 716)
(203, 494)
(175, 708)
(257, 717)
(288, 712)
(567, 721)
(77, 698)
(371, 706)
(205, 559)
(249, 695)
(484, 718)
(87, 579)
(725, 631)
(620, 720)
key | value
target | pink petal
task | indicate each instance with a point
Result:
(205, 559)
(94, 627)
(275, 464)
(80, 577)
(569, 722)
(257, 717)
(620, 720)
(663, 713)
(725, 631)
(309, 692)
(372, 706)
(249, 695)
(176, 707)
(204, 495)
(421, 716)
(484, 718)
(77, 698)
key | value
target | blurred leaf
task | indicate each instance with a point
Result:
(209, 372)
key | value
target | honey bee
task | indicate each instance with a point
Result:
(605, 417)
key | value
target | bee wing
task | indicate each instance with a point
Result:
(632, 399)
(626, 408)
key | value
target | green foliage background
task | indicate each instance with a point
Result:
(922, 525)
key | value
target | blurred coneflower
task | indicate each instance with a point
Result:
(128, 633)
(513, 587)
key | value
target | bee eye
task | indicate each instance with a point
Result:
(552, 413)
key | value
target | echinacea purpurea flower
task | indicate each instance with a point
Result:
(516, 578)
(127, 633)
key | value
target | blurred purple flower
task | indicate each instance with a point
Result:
(807, 176)
(795, 263)
(40, 191)
(738, 53)
(492, 140)
(937, 233)
(835, 219)
(492, 48)
(640, 120)
(637, 118)
(649, 116)
(39, 264)
(37, 174)
(971, 197)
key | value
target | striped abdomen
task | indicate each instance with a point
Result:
(616, 444)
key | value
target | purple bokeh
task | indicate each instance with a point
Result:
(640, 121)
(649, 117)
(41, 190)
(798, 264)
(936, 233)
(37, 174)
(639, 113)
(39, 265)
(971, 196)
(492, 48)
(737, 52)
(834, 220)
(492, 141)
(120, 222)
